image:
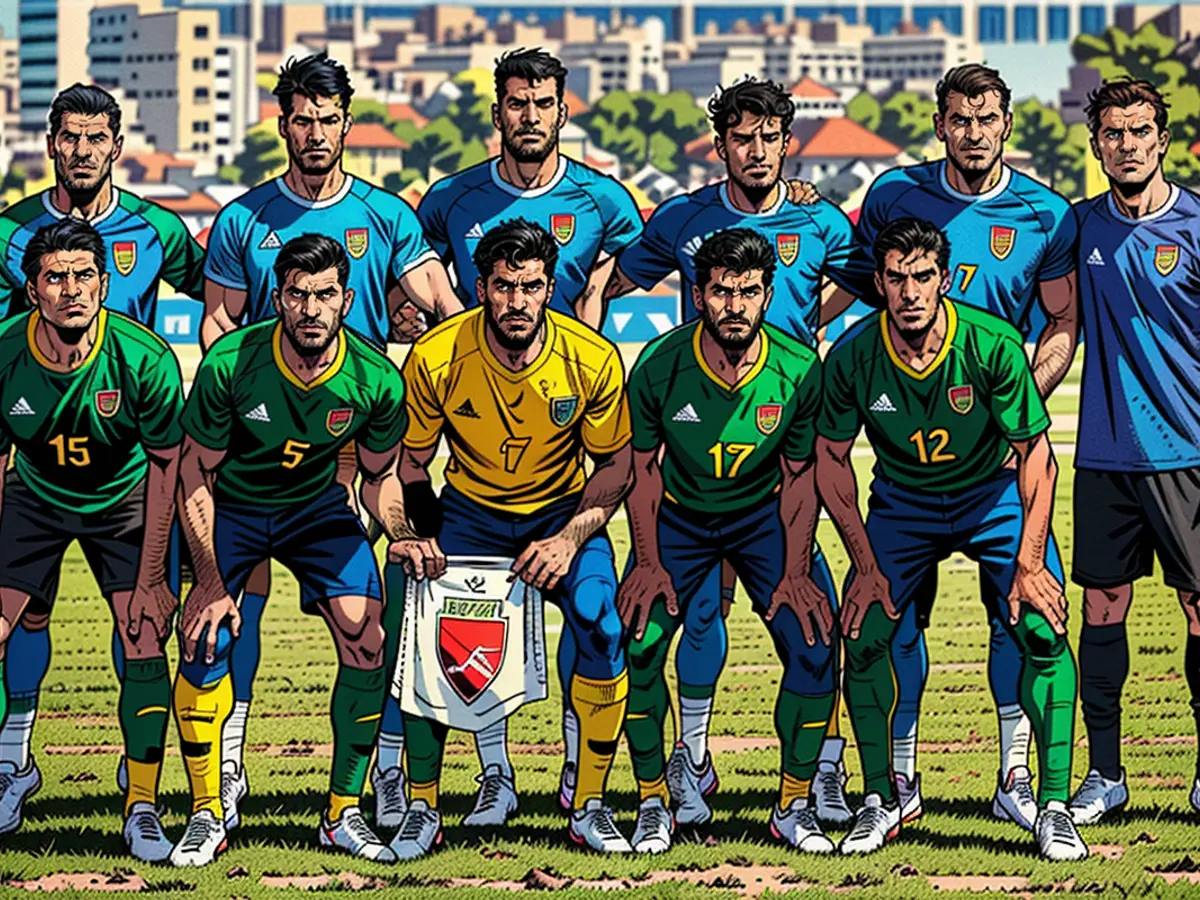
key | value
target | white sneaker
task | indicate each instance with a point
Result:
(203, 841)
(566, 786)
(800, 828)
(652, 833)
(1195, 798)
(15, 788)
(420, 831)
(390, 800)
(909, 794)
(689, 786)
(497, 800)
(1058, 839)
(829, 788)
(144, 834)
(352, 834)
(874, 826)
(1096, 797)
(1014, 800)
(593, 827)
(235, 787)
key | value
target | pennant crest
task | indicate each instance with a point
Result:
(338, 421)
(1003, 240)
(962, 398)
(1166, 258)
(356, 242)
(562, 226)
(562, 410)
(107, 403)
(788, 247)
(471, 652)
(125, 256)
(767, 416)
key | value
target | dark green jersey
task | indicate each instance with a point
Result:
(947, 427)
(724, 443)
(81, 436)
(281, 436)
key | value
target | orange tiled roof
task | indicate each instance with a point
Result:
(373, 136)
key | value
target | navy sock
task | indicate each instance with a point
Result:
(1103, 666)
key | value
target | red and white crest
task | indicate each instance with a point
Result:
(562, 226)
(788, 247)
(471, 652)
(108, 403)
(124, 256)
(1003, 240)
(1166, 258)
(338, 421)
(357, 240)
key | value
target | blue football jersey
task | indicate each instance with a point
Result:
(1139, 295)
(588, 214)
(380, 232)
(146, 245)
(1002, 242)
(810, 242)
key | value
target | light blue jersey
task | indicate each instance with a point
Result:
(1002, 242)
(380, 232)
(588, 214)
(810, 241)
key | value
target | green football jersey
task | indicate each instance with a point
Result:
(81, 436)
(724, 443)
(282, 436)
(945, 428)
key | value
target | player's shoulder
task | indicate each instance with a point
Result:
(241, 344)
(889, 185)
(1038, 195)
(858, 343)
(588, 179)
(1090, 209)
(165, 222)
(451, 187)
(669, 352)
(787, 352)
(449, 341)
(369, 363)
(135, 336)
(579, 342)
(826, 215)
(249, 205)
(12, 332)
(1188, 203)
(977, 324)
(676, 212)
(21, 215)
(380, 200)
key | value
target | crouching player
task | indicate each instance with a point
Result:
(93, 402)
(271, 408)
(946, 394)
(732, 405)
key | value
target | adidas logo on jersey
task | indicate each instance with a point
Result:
(22, 408)
(883, 403)
(258, 414)
(467, 410)
(1094, 258)
(687, 414)
(475, 233)
(270, 242)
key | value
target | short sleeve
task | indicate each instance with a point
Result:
(840, 259)
(225, 263)
(860, 269)
(388, 417)
(620, 215)
(208, 412)
(1015, 403)
(160, 402)
(839, 418)
(409, 247)
(8, 293)
(645, 407)
(183, 260)
(1059, 260)
(606, 415)
(431, 212)
(425, 414)
(801, 435)
(651, 256)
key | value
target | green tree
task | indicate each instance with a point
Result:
(365, 109)
(645, 127)
(471, 113)
(398, 181)
(439, 145)
(405, 129)
(263, 156)
(864, 109)
(906, 119)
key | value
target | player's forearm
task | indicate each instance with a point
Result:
(1037, 473)
(590, 306)
(384, 499)
(1055, 350)
(428, 286)
(838, 490)
(222, 306)
(642, 506)
(834, 301)
(799, 507)
(161, 479)
(605, 489)
(619, 284)
(197, 516)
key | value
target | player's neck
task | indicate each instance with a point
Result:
(515, 360)
(918, 349)
(751, 202)
(309, 367)
(315, 187)
(84, 206)
(528, 176)
(729, 365)
(1142, 200)
(65, 349)
(970, 183)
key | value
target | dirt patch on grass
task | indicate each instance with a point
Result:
(746, 881)
(979, 884)
(82, 881)
(1108, 851)
(345, 880)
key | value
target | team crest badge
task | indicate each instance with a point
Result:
(356, 242)
(338, 421)
(1003, 240)
(563, 227)
(562, 410)
(788, 247)
(766, 417)
(1166, 258)
(107, 403)
(125, 256)
(962, 398)
(471, 652)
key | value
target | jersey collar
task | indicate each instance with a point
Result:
(494, 169)
(723, 190)
(717, 379)
(1161, 211)
(951, 329)
(347, 184)
(40, 357)
(1000, 188)
(292, 377)
(112, 207)
(485, 349)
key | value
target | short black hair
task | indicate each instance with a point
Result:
(515, 241)
(310, 254)
(529, 65)
(66, 234)
(910, 235)
(85, 100)
(737, 249)
(759, 98)
(312, 77)
(972, 80)
(1120, 93)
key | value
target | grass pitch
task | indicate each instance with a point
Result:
(71, 837)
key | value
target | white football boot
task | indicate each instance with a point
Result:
(497, 800)
(652, 833)
(1014, 800)
(690, 785)
(1058, 838)
(420, 831)
(391, 803)
(15, 788)
(352, 834)
(874, 826)
(1096, 797)
(144, 834)
(203, 840)
(593, 827)
(235, 787)
(829, 792)
(909, 794)
(800, 827)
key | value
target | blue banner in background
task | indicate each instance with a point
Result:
(178, 320)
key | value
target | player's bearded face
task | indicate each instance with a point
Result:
(753, 151)
(732, 306)
(974, 130)
(84, 150)
(913, 286)
(312, 309)
(514, 302)
(529, 118)
(1129, 144)
(315, 133)
(69, 290)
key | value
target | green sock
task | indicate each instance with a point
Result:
(1048, 690)
(144, 707)
(800, 723)
(646, 712)
(356, 708)
(870, 691)
(424, 744)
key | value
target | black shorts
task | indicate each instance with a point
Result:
(35, 534)
(1122, 519)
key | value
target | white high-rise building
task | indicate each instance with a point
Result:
(53, 54)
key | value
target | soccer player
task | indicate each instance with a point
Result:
(92, 402)
(752, 120)
(270, 410)
(946, 395)
(144, 245)
(1013, 242)
(522, 394)
(730, 403)
(390, 262)
(1137, 478)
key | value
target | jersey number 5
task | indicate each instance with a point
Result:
(293, 453)
(739, 452)
(73, 450)
(940, 438)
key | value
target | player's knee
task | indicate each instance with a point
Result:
(35, 621)
(1037, 638)
(1107, 606)
(200, 673)
(809, 670)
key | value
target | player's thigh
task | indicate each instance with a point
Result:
(908, 533)
(1113, 539)
(111, 541)
(1171, 501)
(356, 623)
(34, 536)
(241, 542)
(472, 529)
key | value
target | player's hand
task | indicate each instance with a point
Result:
(153, 603)
(638, 593)
(803, 193)
(544, 563)
(206, 608)
(867, 587)
(420, 557)
(408, 324)
(1041, 590)
(799, 594)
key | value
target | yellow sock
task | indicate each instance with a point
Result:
(600, 706)
(833, 729)
(143, 783)
(338, 804)
(648, 789)
(201, 713)
(427, 792)
(792, 788)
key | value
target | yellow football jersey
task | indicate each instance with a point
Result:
(517, 439)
